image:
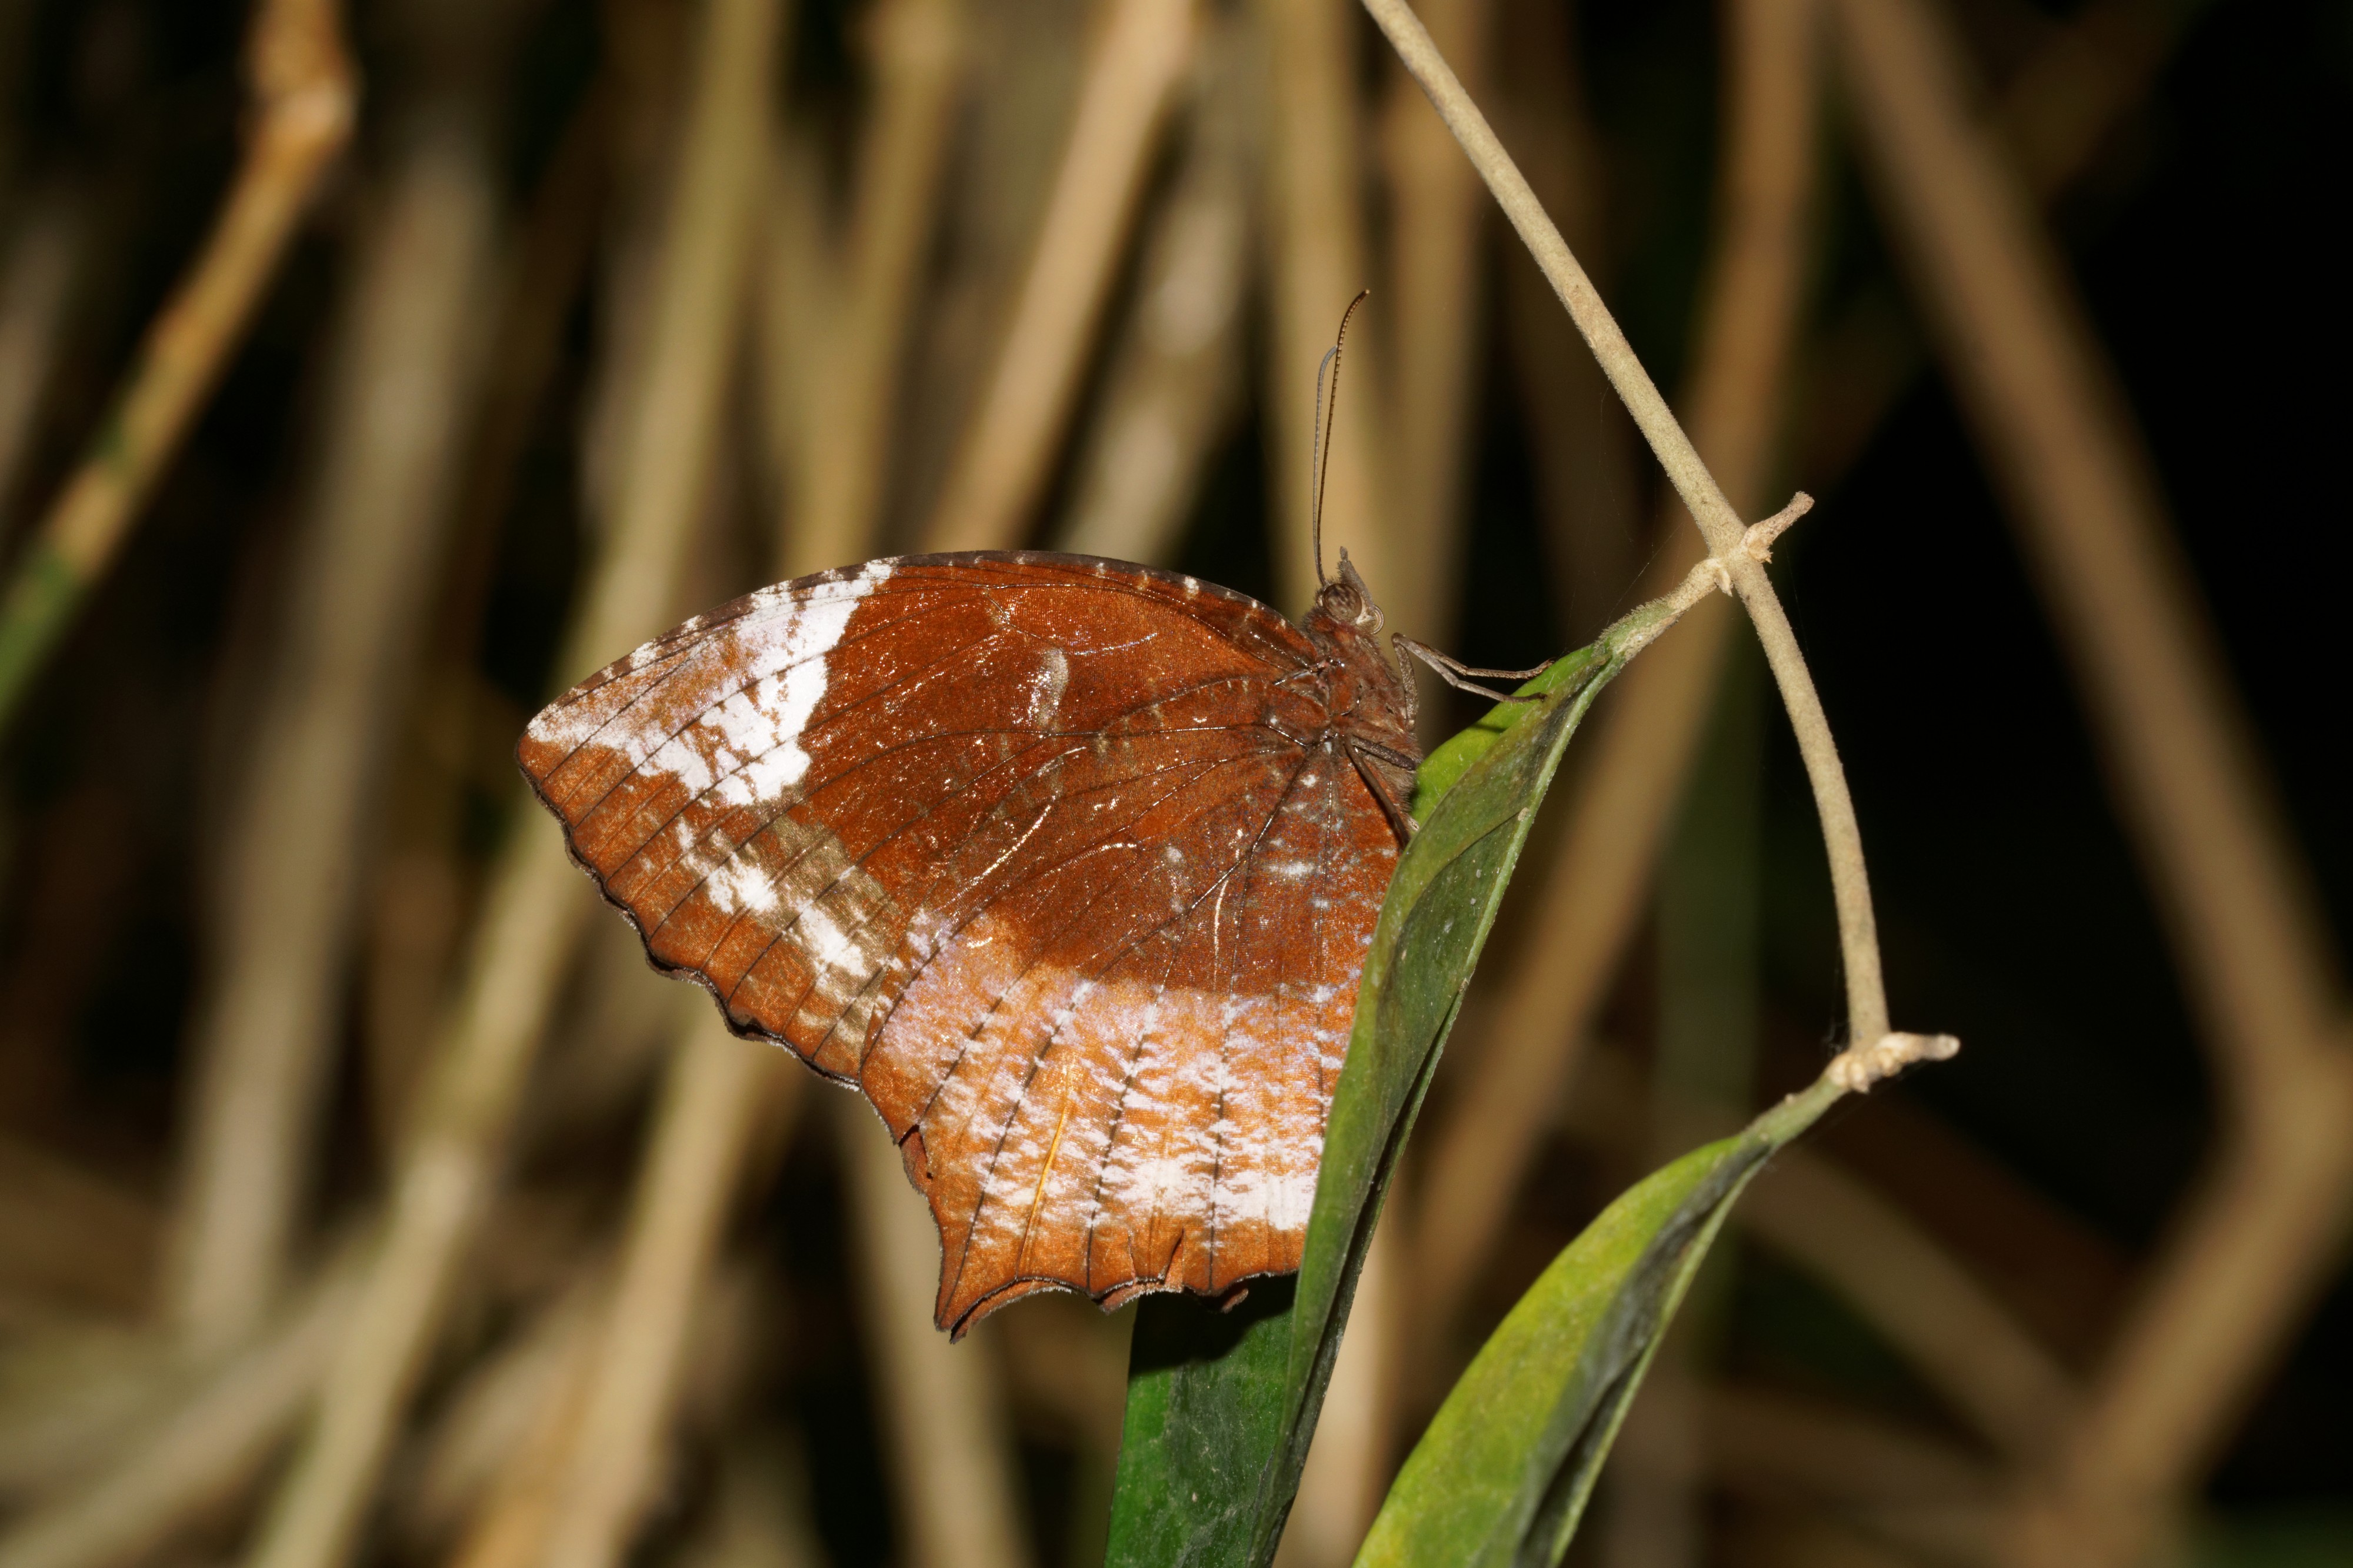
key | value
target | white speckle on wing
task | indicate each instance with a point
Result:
(1046, 687)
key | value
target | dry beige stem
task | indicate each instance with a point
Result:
(2263, 1231)
(835, 331)
(1008, 448)
(305, 92)
(536, 899)
(478, 1436)
(761, 1518)
(1315, 232)
(510, 1527)
(203, 1449)
(1592, 889)
(719, 1090)
(942, 1412)
(69, 1392)
(1436, 218)
(398, 413)
(1174, 384)
(2056, 113)
(1315, 229)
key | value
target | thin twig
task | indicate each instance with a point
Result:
(305, 93)
(1594, 887)
(1719, 522)
(537, 898)
(398, 415)
(2262, 1231)
(1008, 448)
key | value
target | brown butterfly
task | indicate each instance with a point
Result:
(1070, 865)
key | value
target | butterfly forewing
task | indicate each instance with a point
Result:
(1059, 859)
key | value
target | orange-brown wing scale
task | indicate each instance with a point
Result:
(1051, 856)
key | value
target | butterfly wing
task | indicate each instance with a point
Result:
(1055, 858)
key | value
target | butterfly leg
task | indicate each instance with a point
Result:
(1363, 755)
(1457, 674)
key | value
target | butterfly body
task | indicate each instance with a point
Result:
(1068, 865)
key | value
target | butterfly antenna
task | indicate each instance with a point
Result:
(1319, 450)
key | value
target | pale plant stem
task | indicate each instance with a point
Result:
(512, 1520)
(717, 1091)
(305, 92)
(1594, 887)
(1719, 522)
(1317, 235)
(1008, 448)
(537, 900)
(485, 1433)
(2267, 1221)
(264, 1036)
(1349, 1460)
(204, 1449)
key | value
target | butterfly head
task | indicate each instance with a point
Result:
(1348, 602)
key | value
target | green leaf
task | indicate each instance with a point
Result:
(1218, 1418)
(1503, 1474)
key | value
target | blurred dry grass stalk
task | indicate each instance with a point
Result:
(2256, 1240)
(305, 94)
(911, 371)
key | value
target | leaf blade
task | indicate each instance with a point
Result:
(1504, 1471)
